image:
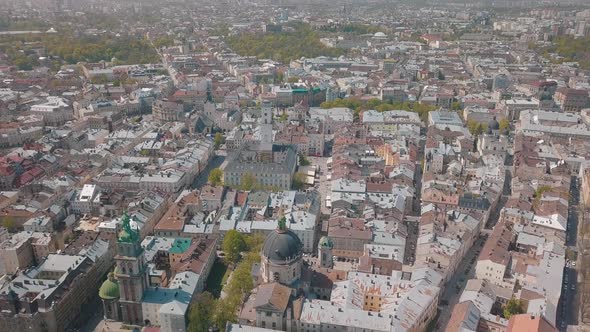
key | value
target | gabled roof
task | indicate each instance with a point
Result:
(274, 297)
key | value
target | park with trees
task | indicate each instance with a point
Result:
(241, 252)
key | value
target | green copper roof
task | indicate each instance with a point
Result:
(300, 90)
(180, 245)
(127, 234)
(326, 242)
(109, 289)
(282, 224)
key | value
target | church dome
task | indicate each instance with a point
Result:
(282, 246)
(109, 289)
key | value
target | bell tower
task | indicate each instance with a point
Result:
(130, 271)
(265, 123)
(325, 246)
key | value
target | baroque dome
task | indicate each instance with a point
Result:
(282, 247)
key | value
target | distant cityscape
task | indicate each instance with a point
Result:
(294, 165)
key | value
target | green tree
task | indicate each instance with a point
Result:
(225, 311)
(233, 244)
(374, 102)
(218, 140)
(241, 282)
(163, 41)
(513, 307)
(504, 125)
(9, 223)
(476, 128)
(456, 106)
(541, 190)
(303, 161)
(299, 180)
(293, 79)
(215, 177)
(254, 242)
(285, 46)
(24, 62)
(201, 313)
(100, 79)
(248, 182)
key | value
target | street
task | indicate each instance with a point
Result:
(569, 302)
(324, 185)
(202, 178)
(506, 191)
(465, 271)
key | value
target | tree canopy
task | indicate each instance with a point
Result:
(298, 180)
(571, 49)
(215, 177)
(163, 41)
(201, 313)
(71, 49)
(218, 140)
(504, 124)
(513, 307)
(353, 28)
(476, 128)
(209, 311)
(248, 182)
(9, 223)
(283, 46)
(233, 244)
(303, 161)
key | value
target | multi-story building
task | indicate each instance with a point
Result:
(167, 111)
(272, 169)
(271, 306)
(373, 303)
(15, 134)
(53, 295)
(55, 112)
(16, 254)
(349, 237)
(392, 122)
(84, 202)
(572, 100)
(43, 223)
(513, 107)
(538, 123)
(494, 260)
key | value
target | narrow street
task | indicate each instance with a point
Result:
(202, 178)
(454, 288)
(506, 191)
(466, 270)
(570, 290)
